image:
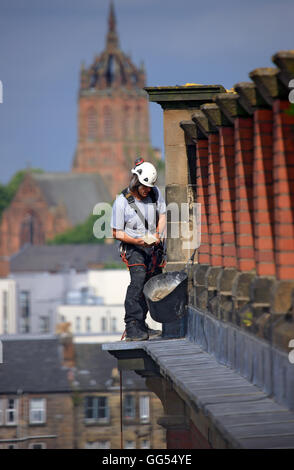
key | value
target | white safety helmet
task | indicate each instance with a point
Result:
(146, 172)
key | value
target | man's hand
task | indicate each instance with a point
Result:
(140, 242)
(157, 235)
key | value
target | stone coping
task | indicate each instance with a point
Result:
(244, 414)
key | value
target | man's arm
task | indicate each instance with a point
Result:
(123, 237)
(161, 226)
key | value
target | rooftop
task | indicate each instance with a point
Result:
(58, 258)
(32, 365)
(61, 189)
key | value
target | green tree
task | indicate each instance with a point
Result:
(8, 191)
(81, 233)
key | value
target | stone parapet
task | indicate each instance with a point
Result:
(239, 156)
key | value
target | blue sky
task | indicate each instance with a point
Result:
(43, 43)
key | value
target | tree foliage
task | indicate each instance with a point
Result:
(8, 191)
(81, 233)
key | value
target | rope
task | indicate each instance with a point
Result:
(120, 396)
(121, 421)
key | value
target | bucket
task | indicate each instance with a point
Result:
(166, 296)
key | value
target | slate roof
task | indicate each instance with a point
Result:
(78, 192)
(32, 365)
(94, 368)
(55, 258)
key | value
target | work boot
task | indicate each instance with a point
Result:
(134, 332)
(151, 333)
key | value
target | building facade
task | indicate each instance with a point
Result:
(8, 306)
(45, 205)
(35, 395)
(57, 395)
(49, 285)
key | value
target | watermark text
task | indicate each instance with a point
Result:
(184, 221)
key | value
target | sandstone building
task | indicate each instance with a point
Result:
(57, 395)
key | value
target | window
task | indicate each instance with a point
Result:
(145, 444)
(24, 300)
(113, 325)
(44, 324)
(37, 410)
(107, 122)
(31, 229)
(103, 445)
(98, 445)
(92, 124)
(12, 446)
(88, 324)
(37, 445)
(138, 122)
(5, 312)
(78, 324)
(130, 445)
(144, 408)
(11, 412)
(129, 406)
(84, 295)
(96, 408)
(103, 324)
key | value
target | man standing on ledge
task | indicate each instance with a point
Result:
(139, 213)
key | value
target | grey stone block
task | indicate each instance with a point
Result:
(176, 193)
(225, 279)
(256, 360)
(241, 285)
(211, 277)
(260, 290)
(201, 297)
(175, 250)
(226, 307)
(199, 274)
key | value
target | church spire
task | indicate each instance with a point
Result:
(112, 37)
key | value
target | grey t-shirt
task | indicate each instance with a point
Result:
(125, 218)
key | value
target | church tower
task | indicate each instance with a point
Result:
(113, 117)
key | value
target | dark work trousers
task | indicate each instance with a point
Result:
(143, 264)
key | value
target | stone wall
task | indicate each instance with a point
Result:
(244, 164)
(55, 433)
(235, 157)
(134, 430)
